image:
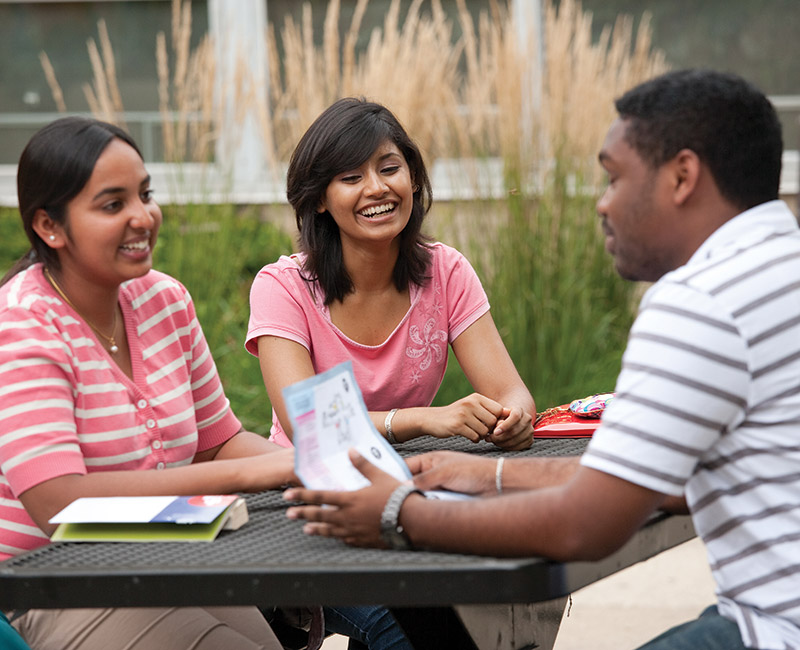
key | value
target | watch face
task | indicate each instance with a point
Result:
(396, 538)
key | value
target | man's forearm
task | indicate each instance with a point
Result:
(675, 505)
(587, 517)
(533, 473)
(511, 525)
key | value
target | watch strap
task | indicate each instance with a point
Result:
(391, 530)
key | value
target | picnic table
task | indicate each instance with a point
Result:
(503, 603)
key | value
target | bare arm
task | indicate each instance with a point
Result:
(675, 505)
(243, 444)
(488, 367)
(471, 474)
(500, 410)
(588, 517)
(459, 472)
(233, 469)
(284, 362)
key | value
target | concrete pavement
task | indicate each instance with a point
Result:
(631, 607)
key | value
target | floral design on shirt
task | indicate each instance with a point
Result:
(432, 344)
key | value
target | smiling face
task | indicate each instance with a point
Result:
(112, 223)
(641, 233)
(373, 202)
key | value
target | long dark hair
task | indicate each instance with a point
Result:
(343, 137)
(54, 167)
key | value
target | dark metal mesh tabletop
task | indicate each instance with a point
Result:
(268, 561)
(541, 447)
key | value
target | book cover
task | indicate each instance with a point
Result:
(144, 519)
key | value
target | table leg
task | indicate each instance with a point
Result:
(513, 627)
(434, 628)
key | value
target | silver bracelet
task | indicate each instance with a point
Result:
(387, 424)
(498, 475)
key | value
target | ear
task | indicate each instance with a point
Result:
(51, 233)
(684, 175)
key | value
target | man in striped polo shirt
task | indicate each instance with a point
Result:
(707, 412)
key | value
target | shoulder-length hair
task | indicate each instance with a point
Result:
(343, 137)
(54, 167)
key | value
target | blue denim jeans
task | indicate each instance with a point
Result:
(708, 632)
(375, 627)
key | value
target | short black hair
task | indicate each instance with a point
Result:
(343, 137)
(731, 126)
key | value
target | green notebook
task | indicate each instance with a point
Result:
(149, 519)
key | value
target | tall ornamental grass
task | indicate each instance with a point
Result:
(467, 89)
(215, 251)
(560, 308)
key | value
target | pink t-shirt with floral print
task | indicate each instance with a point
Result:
(407, 368)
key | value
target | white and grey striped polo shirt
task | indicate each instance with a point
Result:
(708, 402)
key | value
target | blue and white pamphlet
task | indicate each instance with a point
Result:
(149, 518)
(329, 417)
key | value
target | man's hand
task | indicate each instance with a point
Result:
(455, 471)
(352, 516)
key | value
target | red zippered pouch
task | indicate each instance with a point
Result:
(578, 419)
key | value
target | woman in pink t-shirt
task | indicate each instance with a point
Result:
(368, 287)
(107, 384)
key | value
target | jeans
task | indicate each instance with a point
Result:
(375, 627)
(708, 632)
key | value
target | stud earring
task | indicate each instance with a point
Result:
(52, 237)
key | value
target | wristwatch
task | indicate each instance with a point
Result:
(391, 531)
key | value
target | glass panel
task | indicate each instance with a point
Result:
(61, 29)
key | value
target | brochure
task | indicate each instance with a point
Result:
(329, 417)
(151, 518)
